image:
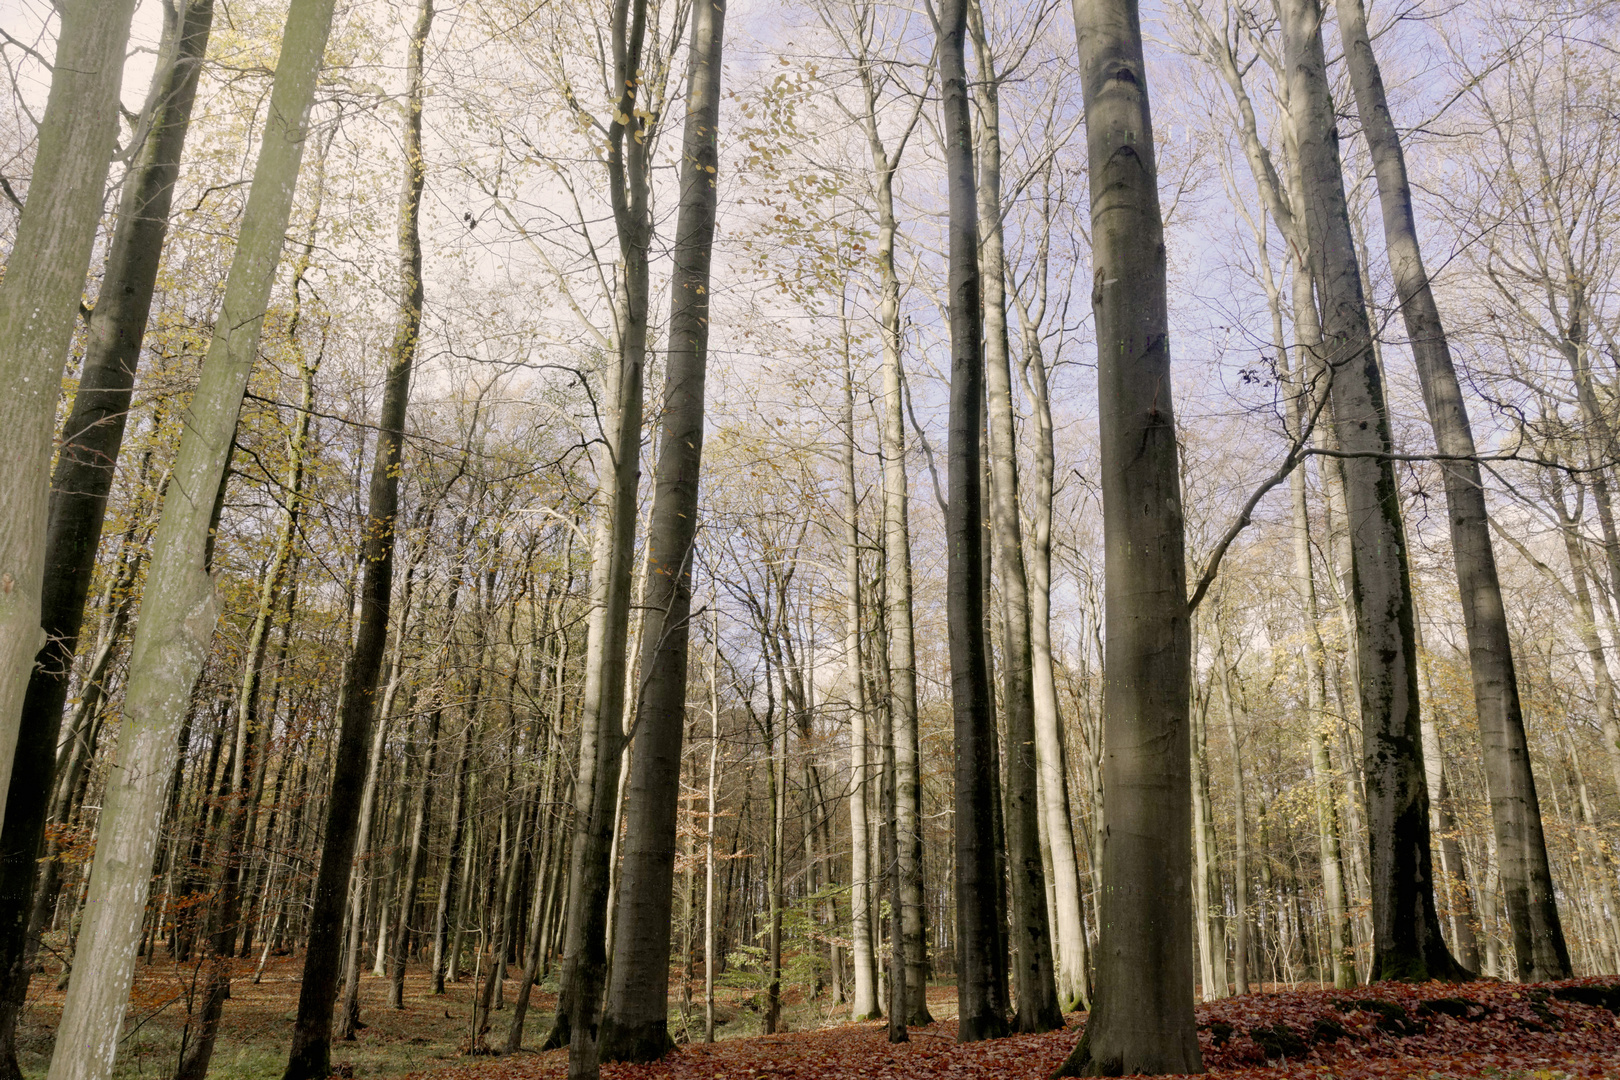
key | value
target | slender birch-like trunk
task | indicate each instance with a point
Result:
(1073, 961)
(179, 609)
(1142, 1018)
(590, 879)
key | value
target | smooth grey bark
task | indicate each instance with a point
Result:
(1538, 936)
(635, 1017)
(1207, 897)
(864, 1003)
(635, 1020)
(39, 303)
(1142, 1017)
(179, 609)
(590, 879)
(901, 700)
(92, 436)
(310, 1055)
(1407, 942)
(981, 977)
(1033, 976)
(1073, 960)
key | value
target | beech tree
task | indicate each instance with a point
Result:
(1407, 942)
(1142, 1018)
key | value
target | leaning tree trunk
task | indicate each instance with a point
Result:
(1142, 1016)
(1034, 981)
(310, 1055)
(178, 609)
(91, 438)
(981, 964)
(1407, 942)
(40, 299)
(1538, 936)
(252, 734)
(635, 1020)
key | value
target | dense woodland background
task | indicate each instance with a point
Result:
(1510, 115)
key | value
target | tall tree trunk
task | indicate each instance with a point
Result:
(179, 609)
(91, 438)
(410, 314)
(981, 962)
(1538, 936)
(635, 1021)
(1407, 942)
(590, 879)
(39, 303)
(901, 703)
(252, 731)
(310, 1055)
(1142, 1016)
(864, 1005)
(1033, 977)
(1073, 963)
(363, 882)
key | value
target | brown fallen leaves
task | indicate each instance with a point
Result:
(1500, 1031)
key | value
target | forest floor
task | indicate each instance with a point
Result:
(1495, 1031)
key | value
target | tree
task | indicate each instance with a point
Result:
(1407, 943)
(1034, 980)
(39, 302)
(1142, 1016)
(91, 436)
(179, 609)
(310, 1055)
(1538, 936)
(981, 964)
(635, 1021)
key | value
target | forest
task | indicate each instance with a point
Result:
(889, 538)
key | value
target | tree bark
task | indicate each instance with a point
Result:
(91, 438)
(1034, 978)
(310, 1056)
(1073, 963)
(981, 964)
(1407, 942)
(635, 1021)
(585, 962)
(40, 300)
(179, 609)
(1538, 936)
(864, 1004)
(1142, 1017)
